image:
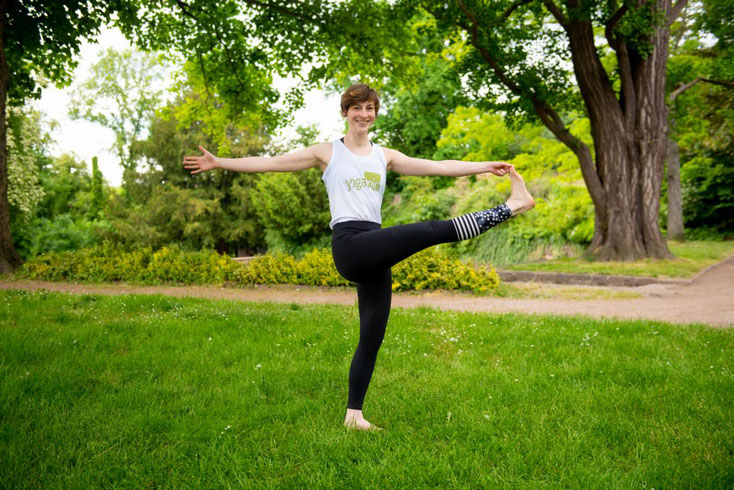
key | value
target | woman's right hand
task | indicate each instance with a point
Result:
(198, 164)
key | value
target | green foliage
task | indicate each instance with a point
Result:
(504, 247)
(529, 53)
(193, 218)
(293, 206)
(27, 154)
(98, 198)
(121, 94)
(66, 183)
(42, 40)
(236, 47)
(418, 201)
(717, 18)
(111, 262)
(563, 219)
(215, 118)
(471, 135)
(51, 198)
(431, 269)
(415, 113)
(195, 211)
(708, 192)
(701, 120)
(64, 232)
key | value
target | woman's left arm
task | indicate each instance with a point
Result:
(402, 164)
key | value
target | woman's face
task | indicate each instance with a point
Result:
(361, 116)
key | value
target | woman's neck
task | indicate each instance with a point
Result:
(357, 140)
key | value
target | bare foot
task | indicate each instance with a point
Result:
(520, 199)
(355, 420)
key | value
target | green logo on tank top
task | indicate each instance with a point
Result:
(371, 180)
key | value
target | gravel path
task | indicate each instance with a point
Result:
(709, 299)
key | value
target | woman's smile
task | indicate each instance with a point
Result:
(361, 116)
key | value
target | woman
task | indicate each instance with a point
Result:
(354, 171)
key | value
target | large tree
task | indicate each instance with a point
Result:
(38, 40)
(526, 51)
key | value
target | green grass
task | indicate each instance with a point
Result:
(148, 391)
(692, 257)
(536, 290)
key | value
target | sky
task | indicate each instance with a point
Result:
(85, 139)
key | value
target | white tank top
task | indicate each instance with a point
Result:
(355, 184)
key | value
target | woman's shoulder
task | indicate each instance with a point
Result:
(389, 153)
(322, 152)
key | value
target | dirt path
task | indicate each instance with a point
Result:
(709, 299)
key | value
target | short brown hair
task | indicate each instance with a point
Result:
(359, 92)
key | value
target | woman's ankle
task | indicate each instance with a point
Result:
(354, 413)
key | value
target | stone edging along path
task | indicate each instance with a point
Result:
(598, 279)
(586, 279)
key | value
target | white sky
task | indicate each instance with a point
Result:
(85, 139)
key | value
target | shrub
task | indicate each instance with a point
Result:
(429, 269)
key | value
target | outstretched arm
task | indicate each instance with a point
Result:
(402, 164)
(292, 162)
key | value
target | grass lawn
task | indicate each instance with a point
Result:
(692, 257)
(148, 391)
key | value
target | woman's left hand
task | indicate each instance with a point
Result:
(499, 168)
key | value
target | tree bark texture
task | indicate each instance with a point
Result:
(630, 138)
(9, 258)
(675, 196)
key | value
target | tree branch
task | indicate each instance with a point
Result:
(203, 74)
(685, 86)
(628, 97)
(546, 113)
(473, 31)
(185, 11)
(618, 43)
(222, 43)
(557, 13)
(514, 7)
(681, 32)
(613, 21)
(676, 10)
(279, 9)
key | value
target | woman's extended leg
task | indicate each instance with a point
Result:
(380, 249)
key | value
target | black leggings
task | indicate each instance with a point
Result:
(363, 253)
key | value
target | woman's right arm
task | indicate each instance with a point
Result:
(301, 160)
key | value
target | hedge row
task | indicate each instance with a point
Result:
(429, 269)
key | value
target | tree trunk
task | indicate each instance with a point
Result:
(630, 134)
(675, 198)
(9, 258)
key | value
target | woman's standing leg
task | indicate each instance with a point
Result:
(374, 298)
